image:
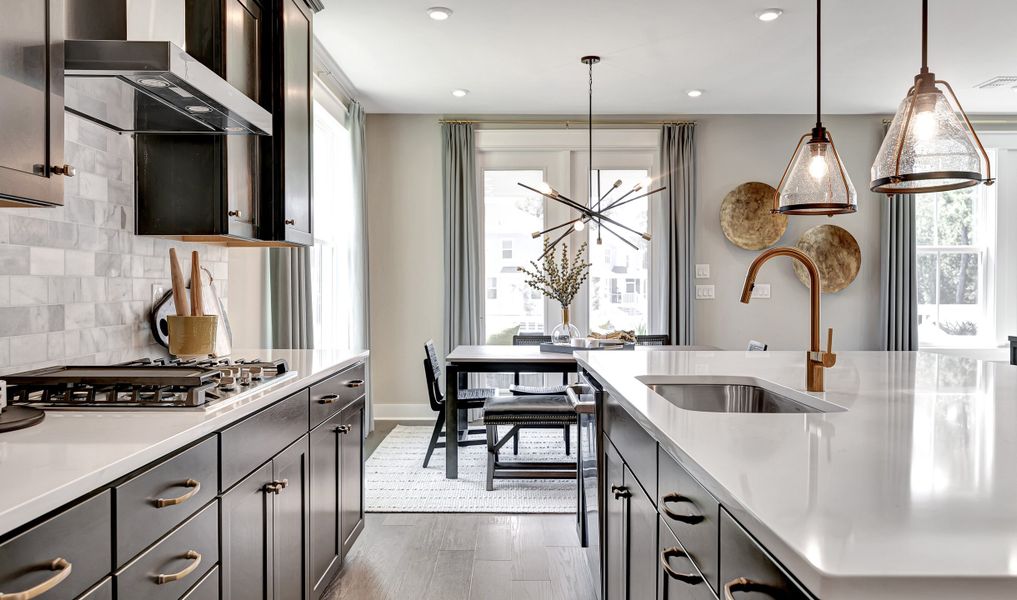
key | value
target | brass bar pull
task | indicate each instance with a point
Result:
(191, 483)
(328, 398)
(620, 492)
(355, 383)
(689, 578)
(289, 222)
(57, 564)
(343, 428)
(676, 497)
(235, 213)
(191, 555)
(742, 584)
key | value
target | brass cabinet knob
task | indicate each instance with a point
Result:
(67, 170)
(289, 222)
(235, 213)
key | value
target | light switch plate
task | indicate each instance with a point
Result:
(705, 292)
(703, 271)
(761, 290)
(157, 291)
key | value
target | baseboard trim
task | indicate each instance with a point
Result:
(403, 412)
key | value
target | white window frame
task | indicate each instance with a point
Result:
(563, 155)
(1003, 274)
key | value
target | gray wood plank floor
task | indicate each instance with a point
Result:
(465, 557)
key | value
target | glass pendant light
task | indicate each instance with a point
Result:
(815, 182)
(930, 145)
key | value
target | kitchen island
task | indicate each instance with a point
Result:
(266, 490)
(902, 487)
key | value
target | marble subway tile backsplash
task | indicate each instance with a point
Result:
(75, 282)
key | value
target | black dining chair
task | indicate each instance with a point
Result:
(653, 340)
(536, 339)
(468, 398)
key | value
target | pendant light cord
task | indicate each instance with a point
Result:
(589, 200)
(819, 62)
(925, 36)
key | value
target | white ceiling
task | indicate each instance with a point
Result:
(522, 56)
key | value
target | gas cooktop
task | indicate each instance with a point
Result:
(146, 384)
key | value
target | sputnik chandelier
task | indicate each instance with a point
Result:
(593, 212)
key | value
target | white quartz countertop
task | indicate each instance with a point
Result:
(911, 491)
(72, 453)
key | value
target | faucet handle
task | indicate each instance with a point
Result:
(829, 341)
(827, 359)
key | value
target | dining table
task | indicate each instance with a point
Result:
(464, 360)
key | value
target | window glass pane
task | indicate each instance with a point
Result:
(926, 277)
(958, 278)
(511, 215)
(335, 217)
(955, 220)
(925, 218)
(618, 277)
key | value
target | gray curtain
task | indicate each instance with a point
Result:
(898, 285)
(463, 257)
(360, 285)
(289, 278)
(676, 232)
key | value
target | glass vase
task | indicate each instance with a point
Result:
(564, 332)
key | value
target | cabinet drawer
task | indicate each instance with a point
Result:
(329, 396)
(81, 536)
(678, 578)
(157, 500)
(637, 448)
(691, 513)
(745, 566)
(248, 444)
(207, 588)
(171, 567)
(103, 591)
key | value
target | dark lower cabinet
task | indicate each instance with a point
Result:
(247, 538)
(678, 577)
(747, 571)
(631, 547)
(351, 442)
(32, 104)
(264, 530)
(336, 505)
(289, 525)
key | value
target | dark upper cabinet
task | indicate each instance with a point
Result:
(211, 187)
(32, 166)
(288, 218)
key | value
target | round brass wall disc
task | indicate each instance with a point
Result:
(836, 253)
(746, 219)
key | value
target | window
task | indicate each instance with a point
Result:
(511, 215)
(954, 248)
(335, 217)
(623, 303)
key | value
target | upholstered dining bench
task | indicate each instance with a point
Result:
(520, 412)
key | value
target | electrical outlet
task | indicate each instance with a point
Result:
(761, 290)
(157, 292)
(705, 292)
(703, 271)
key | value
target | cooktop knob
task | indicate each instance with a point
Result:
(256, 373)
(227, 383)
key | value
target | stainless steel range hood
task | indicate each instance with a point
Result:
(154, 87)
(124, 68)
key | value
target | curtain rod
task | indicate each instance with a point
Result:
(567, 123)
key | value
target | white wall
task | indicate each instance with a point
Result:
(405, 244)
(734, 149)
(405, 223)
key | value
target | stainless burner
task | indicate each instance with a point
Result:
(145, 383)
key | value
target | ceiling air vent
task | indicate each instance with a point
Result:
(999, 81)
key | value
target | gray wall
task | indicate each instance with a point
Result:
(404, 194)
(75, 282)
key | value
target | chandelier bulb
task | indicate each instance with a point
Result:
(818, 167)
(579, 225)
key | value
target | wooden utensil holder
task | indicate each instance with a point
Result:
(192, 336)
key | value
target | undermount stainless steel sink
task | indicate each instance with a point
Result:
(730, 398)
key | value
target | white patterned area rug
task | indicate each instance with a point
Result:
(397, 482)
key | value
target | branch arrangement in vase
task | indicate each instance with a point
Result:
(559, 279)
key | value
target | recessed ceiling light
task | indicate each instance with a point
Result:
(769, 14)
(694, 93)
(198, 108)
(460, 93)
(439, 13)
